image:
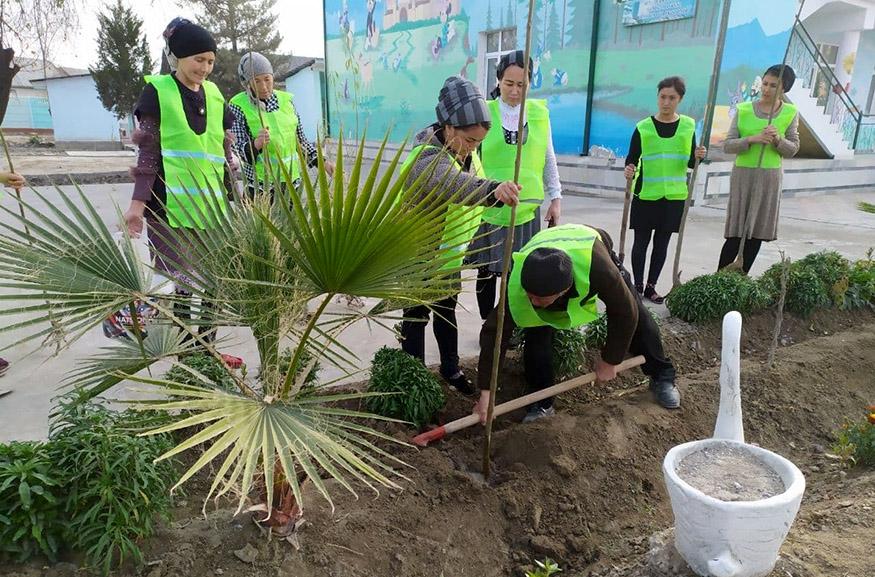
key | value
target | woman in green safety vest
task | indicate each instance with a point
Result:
(266, 120)
(445, 158)
(184, 160)
(555, 281)
(539, 173)
(755, 185)
(662, 148)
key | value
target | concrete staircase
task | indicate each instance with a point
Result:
(825, 127)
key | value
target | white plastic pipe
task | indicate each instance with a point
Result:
(729, 422)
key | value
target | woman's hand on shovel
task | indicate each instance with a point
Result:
(481, 408)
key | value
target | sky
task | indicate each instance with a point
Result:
(298, 21)
(774, 16)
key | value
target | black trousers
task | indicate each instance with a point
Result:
(730, 252)
(538, 351)
(487, 288)
(661, 239)
(445, 331)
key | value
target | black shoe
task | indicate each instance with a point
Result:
(462, 384)
(667, 394)
(4, 365)
(535, 412)
(653, 296)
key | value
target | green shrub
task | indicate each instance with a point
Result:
(806, 291)
(855, 441)
(711, 296)
(31, 520)
(596, 333)
(413, 393)
(568, 352)
(206, 365)
(861, 284)
(113, 489)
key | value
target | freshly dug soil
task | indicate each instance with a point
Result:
(729, 473)
(584, 488)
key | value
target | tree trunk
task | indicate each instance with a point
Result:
(8, 70)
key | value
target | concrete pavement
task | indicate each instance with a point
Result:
(808, 224)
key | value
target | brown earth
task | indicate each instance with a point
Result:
(584, 488)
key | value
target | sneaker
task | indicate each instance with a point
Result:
(4, 365)
(667, 394)
(462, 384)
(535, 412)
(232, 361)
(653, 296)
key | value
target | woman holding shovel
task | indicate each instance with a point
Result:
(755, 184)
(444, 158)
(266, 124)
(182, 169)
(539, 173)
(662, 148)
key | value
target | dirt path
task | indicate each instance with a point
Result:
(585, 487)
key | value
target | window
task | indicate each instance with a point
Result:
(822, 83)
(498, 43)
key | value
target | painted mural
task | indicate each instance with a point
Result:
(387, 59)
(756, 38)
(632, 60)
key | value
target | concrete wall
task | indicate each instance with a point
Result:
(77, 113)
(307, 90)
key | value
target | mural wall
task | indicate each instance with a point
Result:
(633, 59)
(387, 59)
(756, 38)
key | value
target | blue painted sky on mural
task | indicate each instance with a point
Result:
(774, 15)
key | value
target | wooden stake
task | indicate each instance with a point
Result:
(508, 250)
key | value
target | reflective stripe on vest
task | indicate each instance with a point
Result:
(194, 164)
(499, 159)
(575, 240)
(461, 221)
(664, 161)
(283, 126)
(749, 124)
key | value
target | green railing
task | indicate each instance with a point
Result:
(816, 74)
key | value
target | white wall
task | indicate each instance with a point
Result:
(307, 93)
(77, 113)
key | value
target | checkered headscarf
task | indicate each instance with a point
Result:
(461, 104)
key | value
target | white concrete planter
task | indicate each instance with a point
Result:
(731, 538)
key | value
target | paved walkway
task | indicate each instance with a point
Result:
(807, 225)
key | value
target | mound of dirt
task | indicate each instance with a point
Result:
(583, 488)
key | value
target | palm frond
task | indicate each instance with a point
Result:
(307, 436)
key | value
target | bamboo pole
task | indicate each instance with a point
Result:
(508, 249)
(708, 117)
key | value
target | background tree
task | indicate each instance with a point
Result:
(489, 15)
(123, 59)
(238, 26)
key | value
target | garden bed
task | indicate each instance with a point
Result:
(584, 488)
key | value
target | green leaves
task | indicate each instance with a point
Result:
(711, 296)
(404, 388)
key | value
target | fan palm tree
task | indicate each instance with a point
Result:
(260, 263)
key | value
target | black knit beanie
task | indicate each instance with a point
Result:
(188, 39)
(546, 272)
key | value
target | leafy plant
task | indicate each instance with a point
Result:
(30, 514)
(568, 352)
(855, 441)
(711, 296)
(260, 263)
(545, 569)
(407, 389)
(806, 291)
(596, 333)
(114, 489)
(306, 360)
(861, 284)
(208, 367)
(866, 207)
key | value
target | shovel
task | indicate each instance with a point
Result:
(439, 433)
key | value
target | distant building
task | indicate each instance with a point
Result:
(29, 109)
(304, 77)
(78, 116)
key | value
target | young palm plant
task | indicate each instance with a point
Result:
(262, 263)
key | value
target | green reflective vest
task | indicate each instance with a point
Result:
(664, 161)
(575, 240)
(194, 164)
(461, 221)
(499, 159)
(749, 124)
(283, 126)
